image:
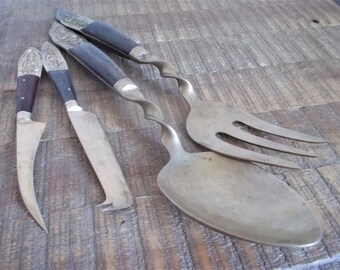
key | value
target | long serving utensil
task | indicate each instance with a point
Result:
(216, 117)
(28, 132)
(89, 132)
(228, 195)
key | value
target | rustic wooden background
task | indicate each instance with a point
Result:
(279, 59)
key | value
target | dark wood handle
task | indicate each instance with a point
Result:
(98, 63)
(62, 82)
(26, 90)
(111, 37)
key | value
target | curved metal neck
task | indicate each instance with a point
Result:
(140, 55)
(128, 90)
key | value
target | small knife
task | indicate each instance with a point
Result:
(28, 132)
(89, 132)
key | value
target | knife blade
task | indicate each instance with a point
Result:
(89, 132)
(28, 132)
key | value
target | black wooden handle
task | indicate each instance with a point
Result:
(26, 90)
(62, 82)
(98, 63)
(111, 37)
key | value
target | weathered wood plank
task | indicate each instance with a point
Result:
(265, 56)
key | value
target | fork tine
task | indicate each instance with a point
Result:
(257, 123)
(233, 151)
(253, 139)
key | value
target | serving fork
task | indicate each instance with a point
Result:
(207, 119)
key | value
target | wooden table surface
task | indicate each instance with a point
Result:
(279, 59)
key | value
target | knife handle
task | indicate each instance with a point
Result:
(62, 82)
(98, 63)
(107, 70)
(26, 90)
(105, 33)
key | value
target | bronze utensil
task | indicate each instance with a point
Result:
(28, 132)
(231, 196)
(89, 132)
(217, 118)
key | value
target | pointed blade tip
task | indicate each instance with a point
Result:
(43, 226)
(36, 214)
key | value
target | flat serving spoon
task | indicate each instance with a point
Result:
(228, 195)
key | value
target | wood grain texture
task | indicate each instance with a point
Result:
(278, 59)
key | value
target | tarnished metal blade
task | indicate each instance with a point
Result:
(102, 158)
(28, 137)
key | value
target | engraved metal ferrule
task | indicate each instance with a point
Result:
(52, 58)
(72, 19)
(65, 37)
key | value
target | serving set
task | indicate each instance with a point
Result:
(222, 189)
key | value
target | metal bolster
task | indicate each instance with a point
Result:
(23, 116)
(141, 54)
(73, 106)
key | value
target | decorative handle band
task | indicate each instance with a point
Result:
(29, 72)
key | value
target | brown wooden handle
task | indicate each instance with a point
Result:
(26, 90)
